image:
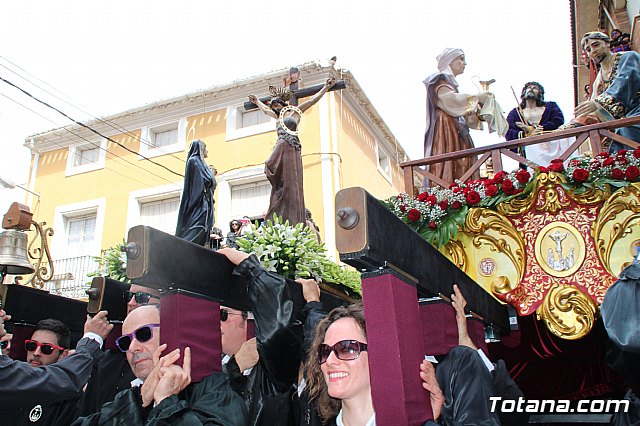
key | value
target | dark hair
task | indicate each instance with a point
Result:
(594, 35)
(539, 102)
(277, 100)
(327, 406)
(58, 328)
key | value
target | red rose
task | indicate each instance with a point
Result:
(622, 153)
(403, 208)
(432, 225)
(473, 198)
(422, 196)
(557, 167)
(457, 190)
(636, 153)
(413, 215)
(453, 185)
(632, 173)
(580, 175)
(523, 176)
(491, 190)
(622, 161)
(603, 155)
(431, 200)
(507, 187)
(444, 204)
(607, 162)
(399, 197)
(466, 190)
(617, 173)
(543, 169)
(497, 178)
(574, 163)
(517, 191)
(557, 160)
(456, 205)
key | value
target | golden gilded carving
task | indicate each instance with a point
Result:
(455, 252)
(550, 200)
(497, 232)
(590, 196)
(501, 285)
(617, 218)
(526, 297)
(568, 312)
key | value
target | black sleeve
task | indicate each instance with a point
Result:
(22, 383)
(312, 314)
(278, 334)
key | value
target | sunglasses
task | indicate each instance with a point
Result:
(142, 334)
(346, 350)
(45, 348)
(141, 297)
(224, 314)
(4, 344)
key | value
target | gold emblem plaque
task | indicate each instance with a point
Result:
(559, 249)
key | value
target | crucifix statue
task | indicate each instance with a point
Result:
(284, 167)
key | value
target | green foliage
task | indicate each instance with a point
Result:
(294, 252)
(112, 263)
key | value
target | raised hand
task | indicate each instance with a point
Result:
(459, 303)
(253, 99)
(173, 378)
(235, 256)
(310, 289)
(98, 324)
(247, 355)
(151, 382)
(430, 383)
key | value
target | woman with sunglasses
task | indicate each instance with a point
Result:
(235, 231)
(338, 370)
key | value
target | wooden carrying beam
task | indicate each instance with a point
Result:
(165, 262)
(369, 237)
(28, 305)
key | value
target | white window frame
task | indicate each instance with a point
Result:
(147, 132)
(225, 182)
(147, 195)
(234, 121)
(62, 214)
(84, 168)
(387, 175)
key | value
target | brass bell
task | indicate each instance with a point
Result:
(13, 253)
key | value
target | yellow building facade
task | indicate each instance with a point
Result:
(92, 190)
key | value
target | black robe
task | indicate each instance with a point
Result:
(195, 217)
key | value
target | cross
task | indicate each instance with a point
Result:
(298, 94)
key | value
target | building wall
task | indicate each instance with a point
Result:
(338, 151)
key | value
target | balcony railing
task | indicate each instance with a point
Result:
(595, 134)
(70, 276)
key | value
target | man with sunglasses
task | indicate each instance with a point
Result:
(267, 390)
(111, 372)
(5, 344)
(163, 392)
(48, 344)
(23, 384)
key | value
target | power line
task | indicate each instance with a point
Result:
(88, 127)
(109, 123)
(115, 156)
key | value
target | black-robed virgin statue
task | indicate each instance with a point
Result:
(195, 217)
